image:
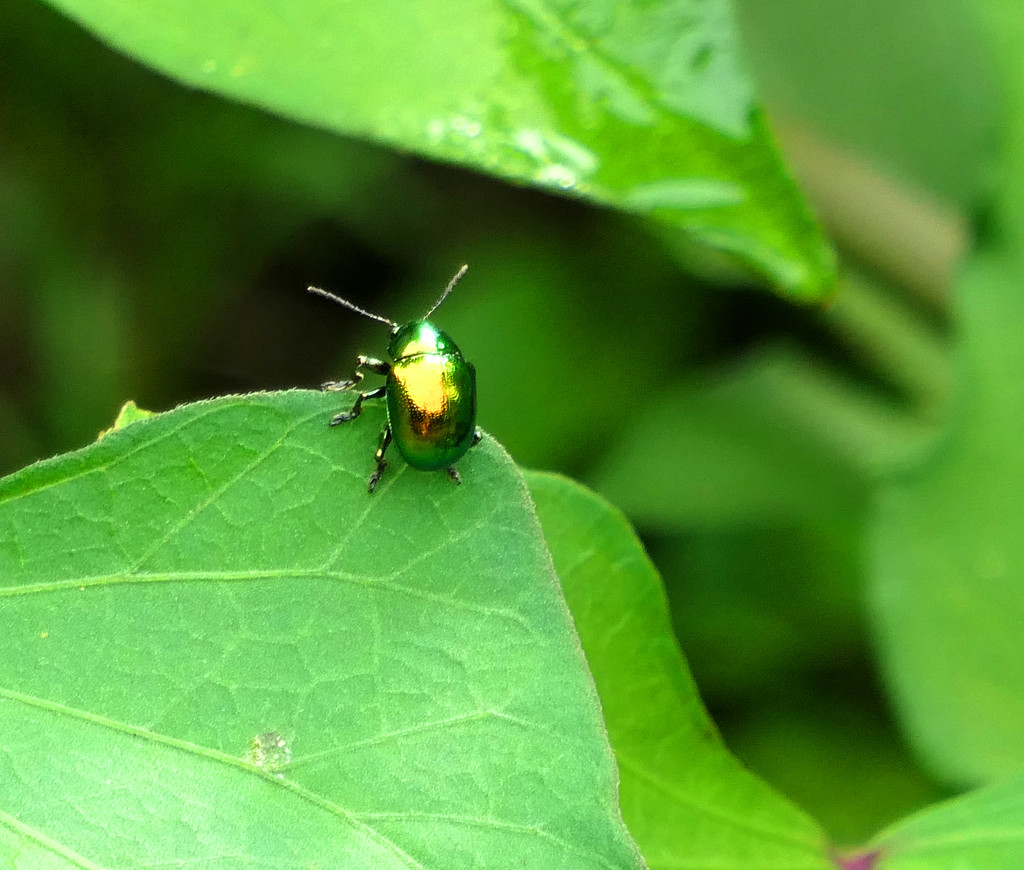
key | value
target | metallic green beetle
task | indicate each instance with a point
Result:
(430, 392)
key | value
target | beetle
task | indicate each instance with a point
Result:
(430, 391)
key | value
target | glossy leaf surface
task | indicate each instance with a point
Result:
(643, 107)
(228, 654)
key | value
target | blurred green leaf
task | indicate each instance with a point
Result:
(644, 108)
(910, 85)
(784, 434)
(788, 597)
(984, 829)
(776, 437)
(225, 652)
(948, 553)
(833, 753)
(685, 799)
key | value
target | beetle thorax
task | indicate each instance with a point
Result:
(420, 337)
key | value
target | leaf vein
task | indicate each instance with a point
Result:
(19, 827)
(214, 756)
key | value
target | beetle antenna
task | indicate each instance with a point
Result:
(349, 305)
(447, 290)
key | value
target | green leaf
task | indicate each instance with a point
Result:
(983, 829)
(948, 556)
(929, 119)
(836, 755)
(129, 413)
(219, 650)
(787, 596)
(643, 107)
(685, 799)
(770, 439)
(948, 553)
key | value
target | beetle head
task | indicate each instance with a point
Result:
(417, 337)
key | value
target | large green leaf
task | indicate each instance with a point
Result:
(948, 554)
(218, 650)
(641, 106)
(685, 798)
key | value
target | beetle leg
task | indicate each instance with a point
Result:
(453, 472)
(382, 463)
(338, 386)
(357, 408)
(377, 366)
(371, 364)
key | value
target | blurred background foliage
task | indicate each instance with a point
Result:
(155, 243)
